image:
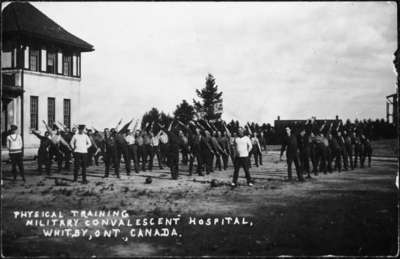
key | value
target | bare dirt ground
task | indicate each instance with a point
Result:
(348, 213)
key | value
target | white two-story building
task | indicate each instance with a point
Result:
(41, 73)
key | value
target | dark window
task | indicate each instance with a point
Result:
(67, 113)
(78, 65)
(34, 112)
(67, 65)
(51, 111)
(51, 63)
(34, 60)
(9, 79)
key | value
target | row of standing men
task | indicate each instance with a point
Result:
(204, 144)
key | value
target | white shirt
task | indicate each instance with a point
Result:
(130, 139)
(14, 143)
(255, 141)
(243, 146)
(56, 139)
(155, 140)
(164, 138)
(80, 143)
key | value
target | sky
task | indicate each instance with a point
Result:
(295, 60)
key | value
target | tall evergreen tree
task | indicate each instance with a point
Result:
(209, 96)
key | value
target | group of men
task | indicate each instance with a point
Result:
(324, 147)
(203, 146)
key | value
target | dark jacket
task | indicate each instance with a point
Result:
(290, 145)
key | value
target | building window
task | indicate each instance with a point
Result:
(67, 65)
(6, 59)
(51, 111)
(51, 63)
(34, 112)
(67, 113)
(34, 60)
(78, 66)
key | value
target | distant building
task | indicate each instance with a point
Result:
(41, 72)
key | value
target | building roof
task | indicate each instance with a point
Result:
(24, 19)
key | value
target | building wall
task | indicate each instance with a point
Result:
(44, 85)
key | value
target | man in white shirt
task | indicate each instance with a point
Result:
(155, 145)
(163, 147)
(242, 148)
(80, 143)
(132, 149)
(15, 145)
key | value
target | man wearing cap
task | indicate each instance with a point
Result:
(15, 145)
(80, 143)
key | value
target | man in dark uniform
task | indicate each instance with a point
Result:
(305, 152)
(256, 149)
(140, 148)
(357, 148)
(335, 151)
(349, 148)
(43, 152)
(121, 148)
(367, 147)
(98, 139)
(147, 150)
(343, 150)
(314, 154)
(207, 151)
(218, 151)
(223, 142)
(197, 152)
(263, 141)
(108, 149)
(290, 145)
